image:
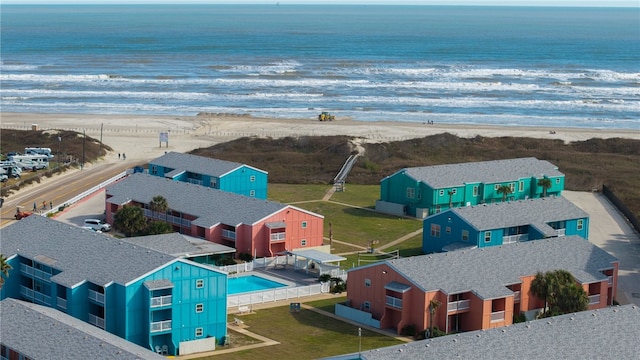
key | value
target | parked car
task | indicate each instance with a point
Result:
(96, 225)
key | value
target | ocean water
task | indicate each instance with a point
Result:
(532, 66)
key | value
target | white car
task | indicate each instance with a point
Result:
(96, 225)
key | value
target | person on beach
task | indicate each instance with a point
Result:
(124, 156)
(35, 207)
(118, 156)
(50, 205)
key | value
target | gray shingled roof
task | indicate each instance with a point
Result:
(487, 271)
(196, 164)
(609, 333)
(80, 254)
(487, 172)
(210, 206)
(536, 212)
(40, 332)
(180, 245)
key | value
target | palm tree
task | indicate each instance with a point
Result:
(545, 183)
(450, 193)
(505, 190)
(130, 220)
(158, 205)
(4, 269)
(572, 298)
(540, 289)
(434, 304)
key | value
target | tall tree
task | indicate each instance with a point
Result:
(450, 193)
(545, 184)
(434, 304)
(130, 220)
(158, 205)
(4, 269)
(158, 227)
(540, 289)
(505, 190)
(560, 292)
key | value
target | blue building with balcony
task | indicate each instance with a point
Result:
(428, 190)
(503, 223)
(158, 301)
(217, 174)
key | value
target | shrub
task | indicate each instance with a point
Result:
(245, 257)
(324, 278)
(518, 318)
(408, 330)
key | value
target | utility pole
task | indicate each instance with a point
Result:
(359, 343)
(84, 137)
(100, 152)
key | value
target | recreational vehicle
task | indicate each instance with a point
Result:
(38, 151)
(31, 162)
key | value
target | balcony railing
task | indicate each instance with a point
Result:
(176, 220)
(278, 236)
(35, 273)
(160, 326)
(514, 238)
(561, 232)
(195, 181)
(610, 280)
(96, 320)
(96, 296)
(62, 303)
(459, 305)
(516, 296)
(228, 234)
(160, 301)
(594, 299)
(497, 316)
(394, 302)
(35, 296)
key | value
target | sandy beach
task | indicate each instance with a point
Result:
(138, 136)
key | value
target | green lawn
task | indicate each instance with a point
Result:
(305, 335)
(359, 226)
(288, 193)
(358, 195)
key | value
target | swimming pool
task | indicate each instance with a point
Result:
(251, 283)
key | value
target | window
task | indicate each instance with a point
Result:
(252, 178)
(512, 187)
(411, 193)
(304, 224)
(441, 192)
(154, 170)
(303, 242)
(465, 235)
(199, 308)
(367, 282)
(521, 186)
(475, 190)
(213, 183)
(199, 332)
(448, 229)
(557, 180)
(487, 236)
(252, 193)
(438, 209)
(367, 305)
(580, 224)
(454, 191)
(496, 187)
(435, 230)
(199, 284)
(419, 194)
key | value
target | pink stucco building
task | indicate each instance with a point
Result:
(252, 226)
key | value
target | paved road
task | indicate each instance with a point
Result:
(60, 188)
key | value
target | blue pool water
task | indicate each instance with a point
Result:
(250, 283)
